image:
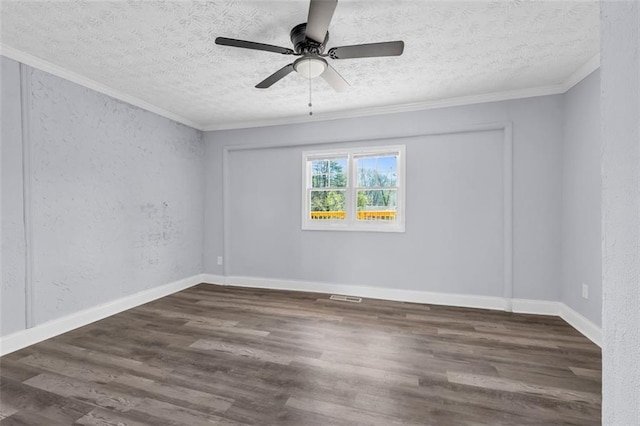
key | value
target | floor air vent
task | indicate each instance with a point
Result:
(346, 298)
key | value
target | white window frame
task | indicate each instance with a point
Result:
(351, 223)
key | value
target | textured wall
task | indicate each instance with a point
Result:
(620, 27)
(537, 134)
(12, 292)
(581, 198)
(116, 198)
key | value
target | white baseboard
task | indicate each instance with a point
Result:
(24, 338)
(415, 296)
(536, 307)
(30, 336)
(582, 324)
(575, 320)
(523, 306)
(213, 279)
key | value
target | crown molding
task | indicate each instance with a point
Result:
(576, 77)
(581, 73)
(394, 109)
(58, 71)
(590, 66)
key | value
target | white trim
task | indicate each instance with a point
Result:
(213, 279)
(536, 307)
(572, 80)
(582, 324)
(547, 307)
(400, 295)
(30, 336)
(394, 109)
(58, 71)
(24, 338)
(581, 73)
(522, 306)
(576, 77)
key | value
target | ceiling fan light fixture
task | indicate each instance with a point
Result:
(310, 66)
(309, 40)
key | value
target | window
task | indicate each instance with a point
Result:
(354, 189)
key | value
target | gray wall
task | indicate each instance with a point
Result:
(115, 198)
(454, 236)
(537, 138)
(12, 291)
(581, 198)
(620, 57)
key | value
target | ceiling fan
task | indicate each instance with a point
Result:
(309, 41)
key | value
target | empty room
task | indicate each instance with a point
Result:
(320, 212)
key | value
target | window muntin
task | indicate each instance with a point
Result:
(354, 189)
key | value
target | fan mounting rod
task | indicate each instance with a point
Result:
(304, 45)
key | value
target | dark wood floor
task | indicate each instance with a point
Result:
(221, 355)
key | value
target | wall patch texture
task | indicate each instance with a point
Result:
(116, 198)
(620, 27)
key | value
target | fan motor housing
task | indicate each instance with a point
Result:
(302, 44)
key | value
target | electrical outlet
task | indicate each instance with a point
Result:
(585, 291)
(219, 260)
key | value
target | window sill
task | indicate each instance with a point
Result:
(355, 228)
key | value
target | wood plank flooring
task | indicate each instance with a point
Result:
(230, 356)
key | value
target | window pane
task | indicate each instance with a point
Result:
(319, 174)
(377, 204)
(378, 172)
(320, 167)
(320, 181)
(328, 205)
(338, 173)
(329, 173)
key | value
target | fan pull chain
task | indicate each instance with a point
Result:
(310, 104)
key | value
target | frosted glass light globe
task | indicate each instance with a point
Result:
(310, 66)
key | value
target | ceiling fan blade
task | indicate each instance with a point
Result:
(372, 50)
(320, 14)
(335, 80)
(252, 45)
(275, 77)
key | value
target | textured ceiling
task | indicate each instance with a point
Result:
(164, 53)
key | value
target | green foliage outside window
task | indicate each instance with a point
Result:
(328, 174)
(374, 175)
